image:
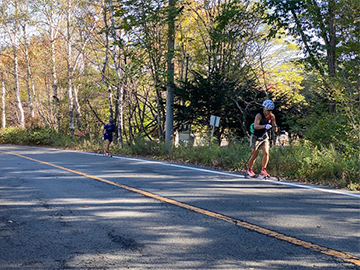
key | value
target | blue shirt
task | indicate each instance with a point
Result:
(109, 129)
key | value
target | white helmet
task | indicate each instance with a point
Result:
(268, 105)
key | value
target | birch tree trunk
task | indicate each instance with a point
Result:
(69, 70)
(30, 85)
(72, 65)
(27, 61)
(3, 112)
(54, 80)
(17, 88)
(13, 35)
(77, 107)
(120, 113)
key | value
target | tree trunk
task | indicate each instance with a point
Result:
(170, 76)
(120, 114)
(3, 112)
(54, 81)
(30, 82)
(106, 61)
(69, 71)
(159, 100)
(160, 109)
(120, 87)
(71, 102)
(331, 51)
(17, 89)
(27, 61)
(77, 108)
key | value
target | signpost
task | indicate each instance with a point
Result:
(214, 122)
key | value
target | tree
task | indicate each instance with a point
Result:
(117, 59)
(32, 97)
(11, 21)
(170, 74)
(3, 105)
(74, 59)
(329, 34)
(320, 28)
(144, 23)
(52, 14)
(228, 62)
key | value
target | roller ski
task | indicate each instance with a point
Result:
(264, 175)
(107, 154)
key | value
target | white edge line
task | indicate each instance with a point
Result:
(226, 174)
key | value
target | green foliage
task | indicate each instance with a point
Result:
(331, 129)
(306, 161)
(143, 147)
(218, 95)
(37, 136)
(329, 35)
(232, 157)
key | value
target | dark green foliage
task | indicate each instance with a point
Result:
(232, 100)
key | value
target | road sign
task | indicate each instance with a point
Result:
(215, 121)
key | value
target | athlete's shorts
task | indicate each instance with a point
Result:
(256, 142)
(106, 137)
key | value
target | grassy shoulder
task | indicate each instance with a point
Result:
(301, 161)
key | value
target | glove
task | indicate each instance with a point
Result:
(102, 137)
(267, 126)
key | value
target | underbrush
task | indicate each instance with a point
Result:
(300, 161)
(322, 165)
(37, 136)
(231, 158)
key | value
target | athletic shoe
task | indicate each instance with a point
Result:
(264, 172)
(251, 173)
(106, 153)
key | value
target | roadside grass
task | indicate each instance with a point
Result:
(301, 161)
(36, 136)
(306, 162)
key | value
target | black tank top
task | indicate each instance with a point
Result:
(263, 121)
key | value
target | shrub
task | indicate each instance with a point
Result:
(144, 147)
(325, 165)
(36, 136)
(232, 157)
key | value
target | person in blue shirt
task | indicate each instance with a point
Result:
(108, 134)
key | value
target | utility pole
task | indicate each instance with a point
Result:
(170, 76)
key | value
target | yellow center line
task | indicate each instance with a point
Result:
(334, 253)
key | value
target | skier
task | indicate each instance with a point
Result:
(264, 122)
(108, 135)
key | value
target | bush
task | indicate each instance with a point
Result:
(144, 147)
(325, 165)
(37, 136)
(232, 157)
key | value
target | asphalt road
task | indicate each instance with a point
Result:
(72, 210)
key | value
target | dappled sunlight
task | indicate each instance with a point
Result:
(67, 220)
(122, 214)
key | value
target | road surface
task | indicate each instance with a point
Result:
(74, 210)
